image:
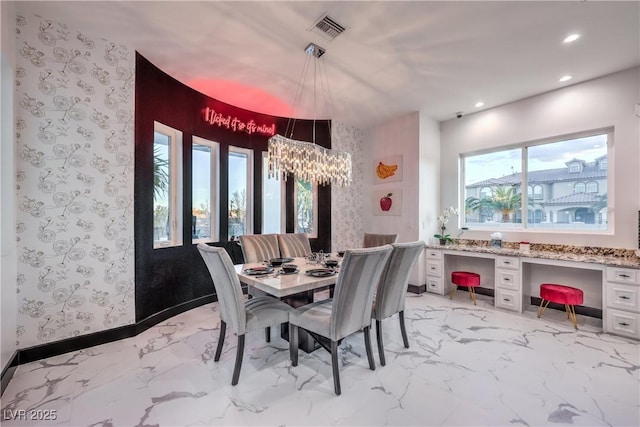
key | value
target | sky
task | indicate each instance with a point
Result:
(544, 156)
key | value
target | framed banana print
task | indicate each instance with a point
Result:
(387, 169)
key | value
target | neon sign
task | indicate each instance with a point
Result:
(237, 125)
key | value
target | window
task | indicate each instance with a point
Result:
(603, 164)
(240, 192)
(574, 167)
(272, 201)
(492, 197)
(306, 199)
(557, 196)
(167, 186)
(204, 193)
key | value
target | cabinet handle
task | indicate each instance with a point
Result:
(506, 299)
(624, 276)
(506, 279)
(507, 262)
(624, 297)
(433, 268)
(623, 324)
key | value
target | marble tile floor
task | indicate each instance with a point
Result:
(467, 366)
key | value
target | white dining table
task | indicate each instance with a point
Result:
(295, 289)
(281, 285)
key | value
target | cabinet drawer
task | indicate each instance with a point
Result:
(623, 323)
(507, 299)
(622, 275)
(508, 262)
(508, 279)
(435, 285)
(623, 297)
(434, 254)
(434, 268)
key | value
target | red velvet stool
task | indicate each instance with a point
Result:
(561, 294)
(465, 278)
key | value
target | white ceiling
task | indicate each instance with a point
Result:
(394, 57)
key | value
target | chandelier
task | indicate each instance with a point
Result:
(304, 160)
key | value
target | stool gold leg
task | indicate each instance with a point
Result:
(472, 294)
(453, 291)
(572, 309)
(541, 308)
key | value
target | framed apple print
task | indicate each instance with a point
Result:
(387, 202)
(387, 169)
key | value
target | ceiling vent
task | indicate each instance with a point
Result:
(328, 27)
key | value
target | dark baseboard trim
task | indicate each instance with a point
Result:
(479, 290)
(580, 309)
(7, 372)
(43, 351)
(144, 324)
(417, 289)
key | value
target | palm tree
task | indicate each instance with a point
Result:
(160, 174)
(504, 199)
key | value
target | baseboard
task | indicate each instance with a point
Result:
(7, 372)
(43, 351)
(417, 289)
(580, 309)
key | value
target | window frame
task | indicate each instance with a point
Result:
(249, 177)
(214, 187)
(522, 226)
(176, 186)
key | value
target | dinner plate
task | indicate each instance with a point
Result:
(320, 272)
(286, 273)
(257, 271)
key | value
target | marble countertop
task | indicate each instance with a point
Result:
(633, 262)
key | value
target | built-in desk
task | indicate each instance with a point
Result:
(611, 285)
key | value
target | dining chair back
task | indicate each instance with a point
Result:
(259, 247)
(375, 239)
(294, 245)
(392, 289)
(349, 310)
(243, 315)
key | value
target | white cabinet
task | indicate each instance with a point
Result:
(622, 296)
(435, 271)
(508, 291)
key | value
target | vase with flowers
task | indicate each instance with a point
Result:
(443, 220)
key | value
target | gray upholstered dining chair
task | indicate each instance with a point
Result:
(392, 289)
(259, 247)
(372, 240)
(294, 245)
(243, 315)
(349, 310)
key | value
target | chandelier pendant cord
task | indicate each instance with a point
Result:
(308, 161)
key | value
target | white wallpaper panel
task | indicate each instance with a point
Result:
(347, 203)
(74, 147)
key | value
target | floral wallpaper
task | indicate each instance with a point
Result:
(74, 146)
(347, 203)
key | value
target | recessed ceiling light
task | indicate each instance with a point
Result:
(571, 38)
(565, 78)
(479, 104)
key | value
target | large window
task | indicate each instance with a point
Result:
(167, 186)
(570, 170)
(204, 195)
(272, 201)
(306, 199)
(240, 192)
